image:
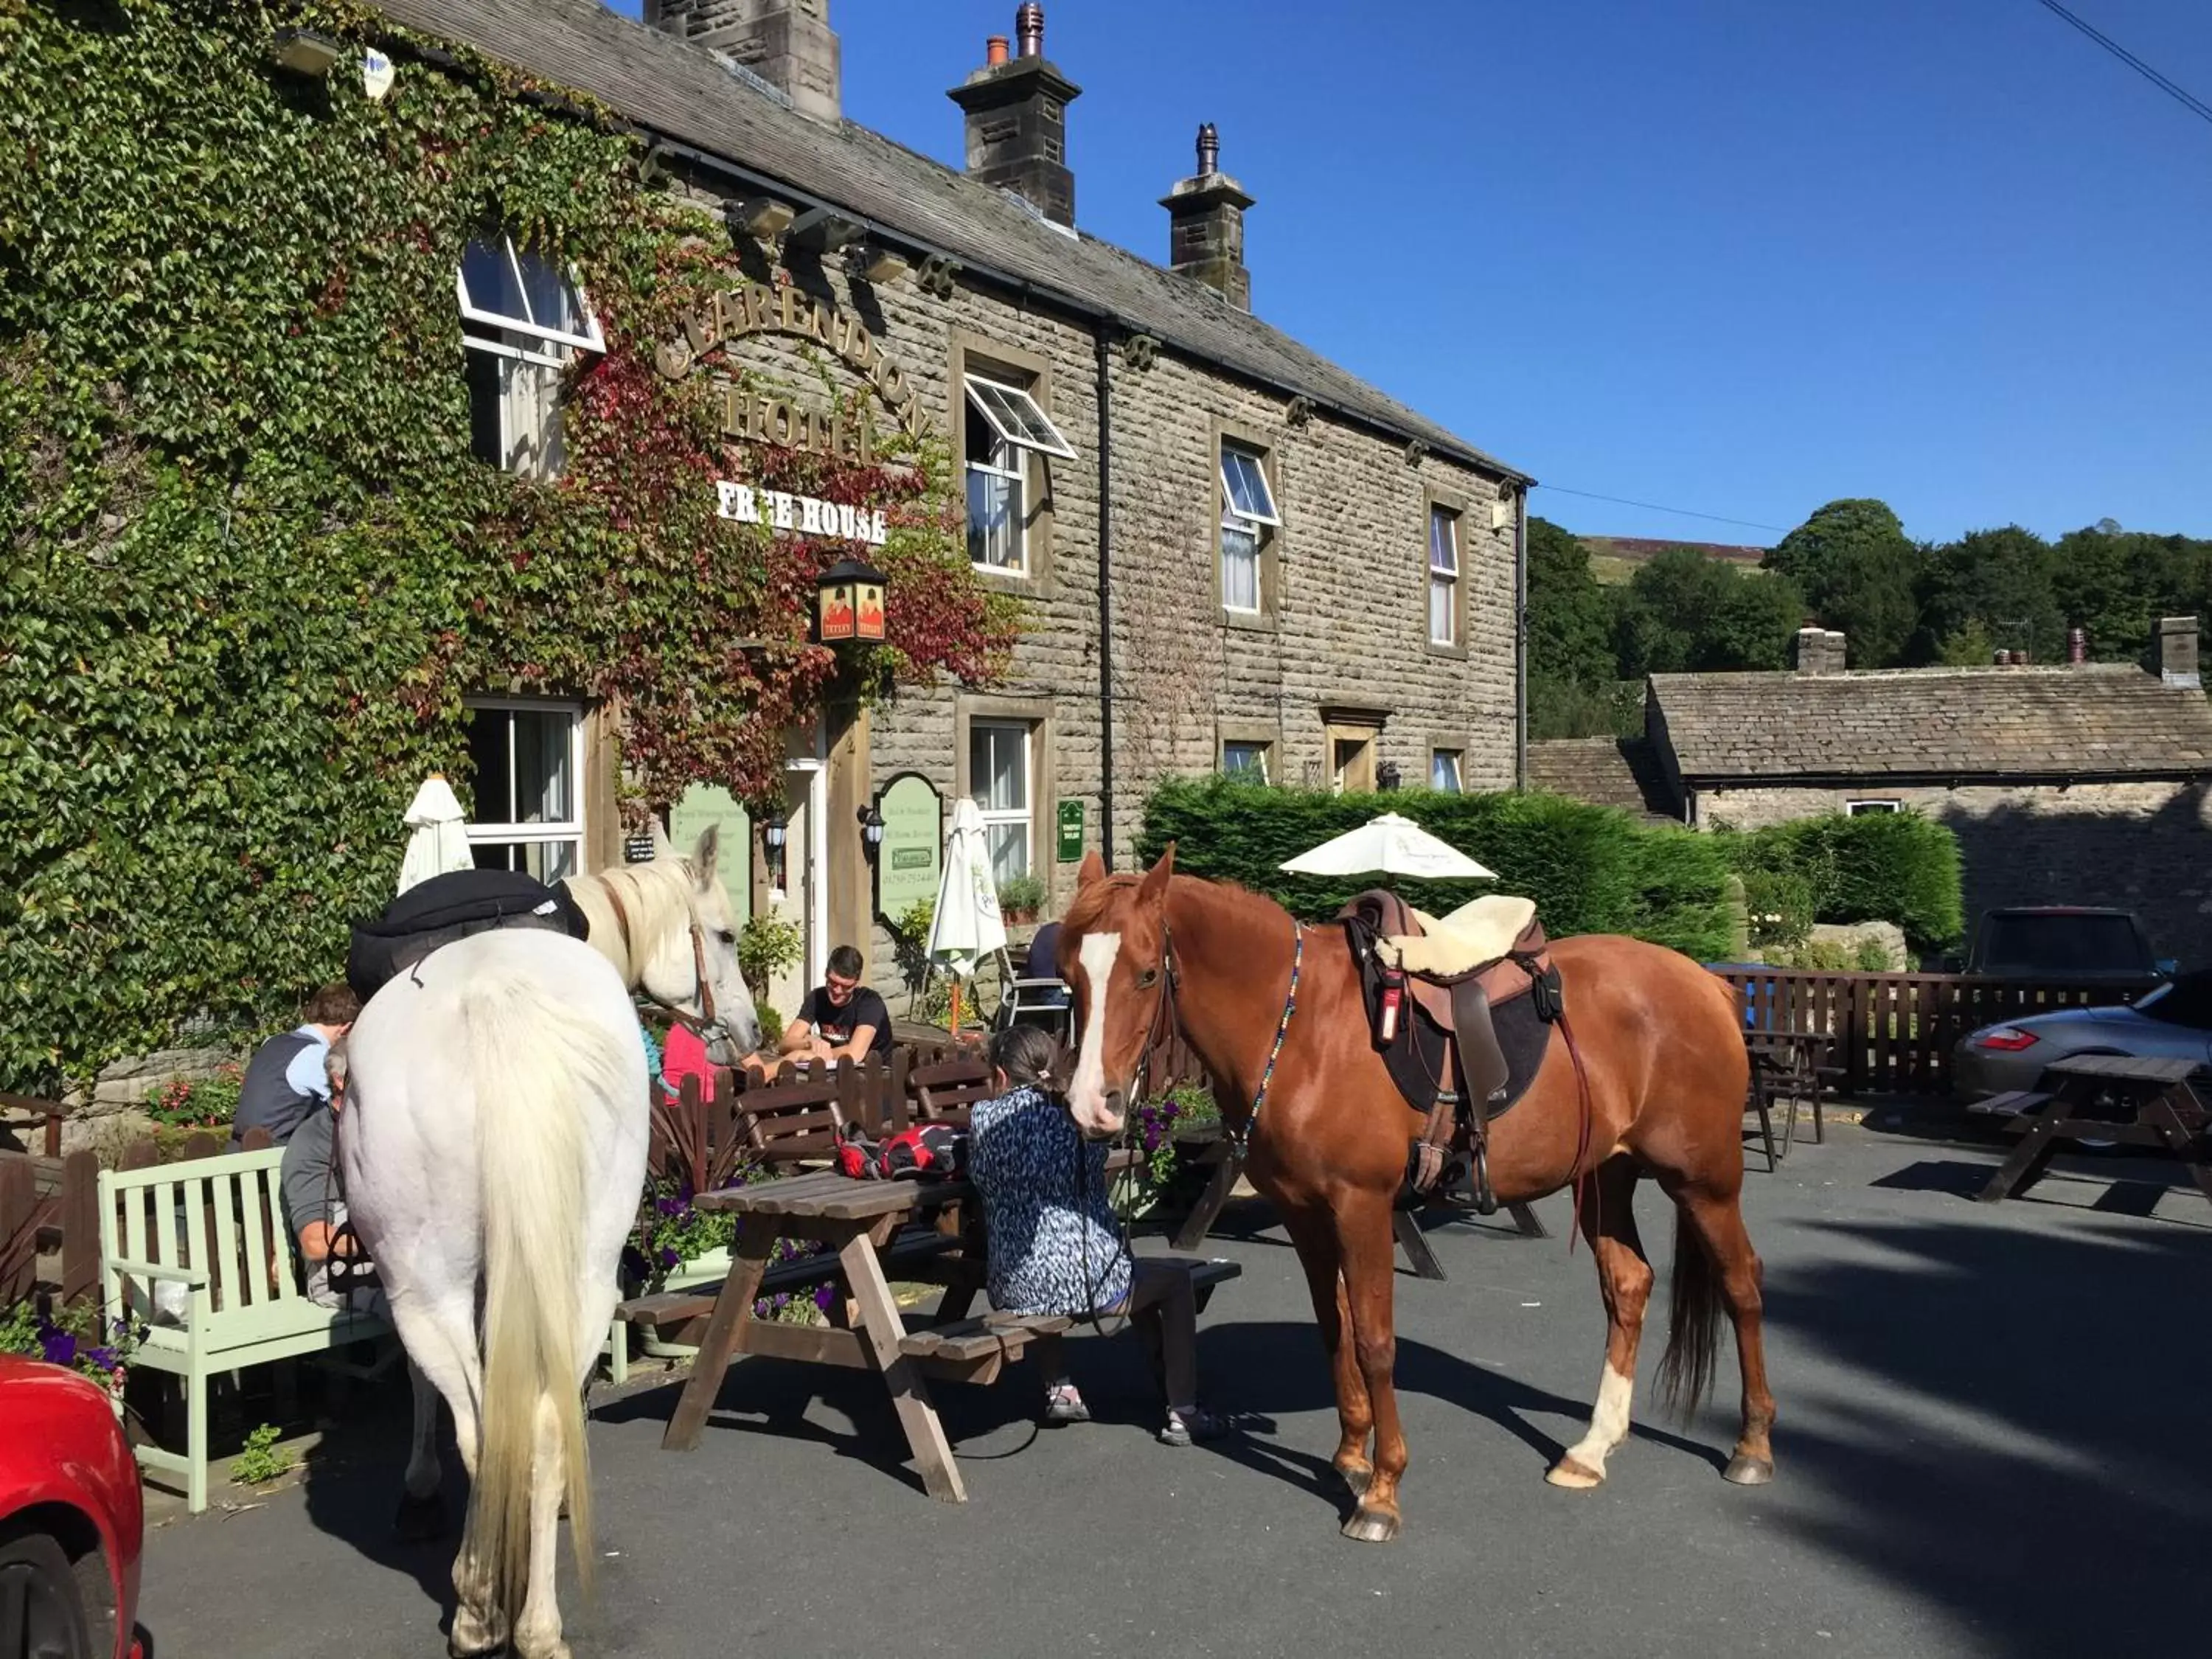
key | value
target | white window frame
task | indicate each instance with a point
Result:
(1020, 405)
(1234, 525)
(1016, 473)
(1261, 750)
(1458, 759)
(1259, 512)
(1444, 579)
(593, 340)
(570, 830)
(1026, 817)
(1854, 808)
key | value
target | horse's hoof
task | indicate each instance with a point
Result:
(1574, 1476)
(1371, 1526)
(1743, 1471)
(1357, 1476)
(420, 1520)
(472, 1638)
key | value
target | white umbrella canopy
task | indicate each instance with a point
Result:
(1390, 846)
(966, 929)
(441, 841)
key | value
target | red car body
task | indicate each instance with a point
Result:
(65, 1471)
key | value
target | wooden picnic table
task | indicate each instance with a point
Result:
(867, 1332)
(53, 1113)
(2162, 1104)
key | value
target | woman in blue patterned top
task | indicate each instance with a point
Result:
(1053, 1245)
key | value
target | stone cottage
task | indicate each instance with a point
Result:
(2080, 783)
(1234, 554)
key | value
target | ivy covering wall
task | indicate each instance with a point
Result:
(252, 568)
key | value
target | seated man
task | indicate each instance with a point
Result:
(314, 1207)
(841, 1018)
(285, 1082)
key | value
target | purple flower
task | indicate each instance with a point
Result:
(825, 1297)
(102, 1358)
(667, 1205)
(668, 1256)
(58, 1348)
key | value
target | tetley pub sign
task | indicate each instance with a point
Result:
(748, 417)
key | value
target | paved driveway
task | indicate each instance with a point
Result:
(1993, 1441)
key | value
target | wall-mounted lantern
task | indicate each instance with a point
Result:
(772, 837)
(849, 602)
(1385, 775)
(871, 831)
(306, 52)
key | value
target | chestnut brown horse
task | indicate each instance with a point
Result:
(1662, 1047)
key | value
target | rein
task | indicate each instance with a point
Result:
(706, 1024)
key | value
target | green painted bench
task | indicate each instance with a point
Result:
(212, 1231)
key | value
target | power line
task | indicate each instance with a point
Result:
(2187, 100)
(1653, 507)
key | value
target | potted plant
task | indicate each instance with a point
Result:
(1020, 898)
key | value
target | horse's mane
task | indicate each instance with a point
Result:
(655, 896)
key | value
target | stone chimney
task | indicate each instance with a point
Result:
(787, 42)
(1819, 651)
(1017, 111)
(2176, 651)
(1206, 226)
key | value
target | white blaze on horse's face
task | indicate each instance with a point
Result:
(1086, 1093)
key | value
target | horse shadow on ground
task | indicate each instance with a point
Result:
(353, 1483)
(2005, 1420)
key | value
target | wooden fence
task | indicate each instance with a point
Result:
(1893, 1033)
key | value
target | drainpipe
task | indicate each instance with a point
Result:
(1099, 334)
(1521, 642)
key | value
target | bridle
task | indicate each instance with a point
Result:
(707, 1024)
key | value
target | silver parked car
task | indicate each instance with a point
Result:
(2174, 1021)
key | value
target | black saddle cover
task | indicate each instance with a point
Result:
(1419, 1053)
(452, 907)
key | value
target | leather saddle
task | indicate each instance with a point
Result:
(1448, 976)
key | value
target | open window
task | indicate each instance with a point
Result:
(1015, 419)
(1244, 483)
(523, 321)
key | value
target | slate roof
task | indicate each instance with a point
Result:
(682, 92)
(1621, 772)
(2094, 720)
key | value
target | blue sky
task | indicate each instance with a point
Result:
(1727, 255)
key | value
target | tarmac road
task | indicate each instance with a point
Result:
(1992, 1441)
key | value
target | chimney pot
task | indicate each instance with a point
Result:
(1029, 25)
(2077, 645)
(1209, 150)
(2176, 651)
(995, 51)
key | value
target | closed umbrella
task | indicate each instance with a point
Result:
(439, 843)
(966, 929)
(1390, 846)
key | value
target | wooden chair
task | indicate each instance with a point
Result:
(945, 1091)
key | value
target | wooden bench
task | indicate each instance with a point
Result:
(948, 1091)
(214, 1229)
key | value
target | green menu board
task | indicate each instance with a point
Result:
(705, 803)
(910, 862)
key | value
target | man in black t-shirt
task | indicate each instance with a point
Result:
(841, 1018)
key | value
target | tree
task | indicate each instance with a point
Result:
(1570, 615)
(1686, 613)
(2001, 578)
(1857, 569)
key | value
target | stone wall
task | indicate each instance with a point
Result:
(1350, 622)
(2141, 846)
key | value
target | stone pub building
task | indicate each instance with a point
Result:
(1232, 553)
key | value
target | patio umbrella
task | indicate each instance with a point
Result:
(440, 843)
(1390, 846)
(966, 928)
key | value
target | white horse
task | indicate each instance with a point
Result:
(493, 1153)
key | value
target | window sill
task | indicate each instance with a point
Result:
(1033, 583)
(1252, 622)
(1452, 652)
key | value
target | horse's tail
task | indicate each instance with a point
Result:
(535, 1065)
(1693, 1323)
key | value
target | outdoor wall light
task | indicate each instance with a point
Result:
(306, 52)
(879, 265)
(849, 602)
(772, 834)
(1385, 775)
(764, 218)
(872, 830)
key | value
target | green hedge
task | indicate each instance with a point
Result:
(1876, 867)
(1590, 869)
